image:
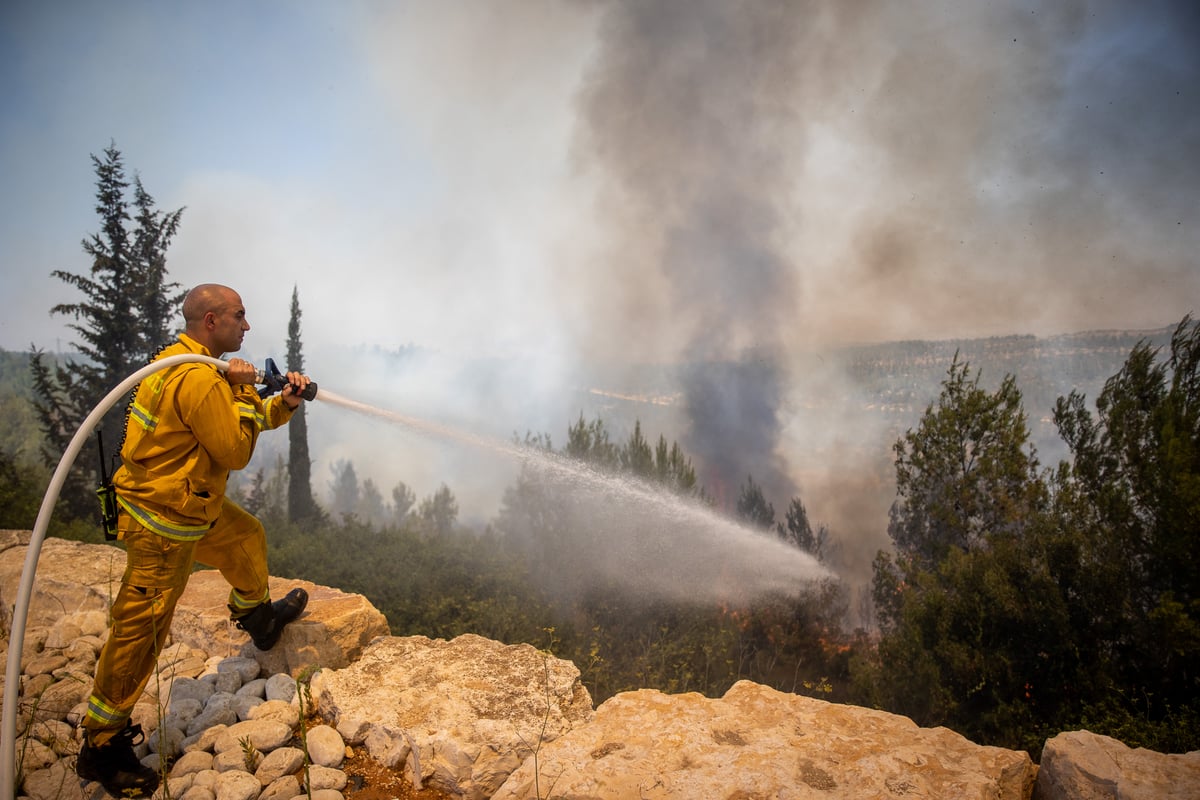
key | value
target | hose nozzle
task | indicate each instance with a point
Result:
(272, 381)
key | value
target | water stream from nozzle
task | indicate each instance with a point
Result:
(651, 541)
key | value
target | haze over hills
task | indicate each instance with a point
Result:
(834, 421)
(836, 424)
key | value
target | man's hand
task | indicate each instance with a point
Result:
(296, 383)
(240, 371)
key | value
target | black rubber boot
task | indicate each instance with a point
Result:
(265, 623)
(115, 765)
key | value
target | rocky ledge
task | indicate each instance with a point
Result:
(474, 718)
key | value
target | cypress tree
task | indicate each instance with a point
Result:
(301, 505)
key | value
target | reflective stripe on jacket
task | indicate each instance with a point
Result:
(187, 428)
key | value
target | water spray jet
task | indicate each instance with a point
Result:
(656, 542)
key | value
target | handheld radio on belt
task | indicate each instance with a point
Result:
(107, 495)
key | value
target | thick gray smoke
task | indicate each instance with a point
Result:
(686, 115)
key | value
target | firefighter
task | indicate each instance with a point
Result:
(188, 427)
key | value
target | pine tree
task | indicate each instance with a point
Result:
(752, 506)
(122, 321)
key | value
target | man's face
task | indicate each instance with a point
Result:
(230, 326)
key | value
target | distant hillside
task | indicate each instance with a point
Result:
(19, 433)
(1045, 368)
(901, 379)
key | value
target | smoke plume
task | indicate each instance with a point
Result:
(688, 119)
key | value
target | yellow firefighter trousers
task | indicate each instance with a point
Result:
(156, 573)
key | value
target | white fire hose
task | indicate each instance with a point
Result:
(16, 636)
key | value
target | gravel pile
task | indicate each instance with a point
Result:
(227, 732)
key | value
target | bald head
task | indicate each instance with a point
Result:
(204, 298)
(214, 316)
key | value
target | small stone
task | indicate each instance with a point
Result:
(327, 794)
(191, 688)
(228, 682)
(51, 783)
(61, 696)
(326, 778)
(325, 746)
(246, 668)
(189, 763)
(281, 687)
(84, 664)
(35, 685)
(207, 778)
(167, 740)
(207, 739)
(63, 633)
(180, 661)
(45, 664)
(277, 711)
(284, 788)
(237, 786)
(195, 792)
(82, 648)
(184, 710)
(33, 755)
(236, 760)
(92, 623)
(176, 786)
(263, 734)
(218, 711)
(75, 716)
(55, 734)
(244, 705)
(278, 763)
(94, 642)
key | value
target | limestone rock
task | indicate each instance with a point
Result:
(51, 784)
(71, 577)
(457, 715)
(1081, 765)
(331, 632)
(74, 578)
(756, 742)
(13, 538)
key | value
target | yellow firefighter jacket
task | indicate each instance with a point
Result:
(187, 428)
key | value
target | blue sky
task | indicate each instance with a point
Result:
(458, 175)
(562, 182)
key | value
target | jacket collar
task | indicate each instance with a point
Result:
(193, 346)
